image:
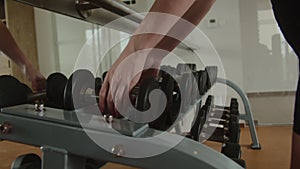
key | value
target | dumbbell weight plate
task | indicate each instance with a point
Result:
(145, 88)
(202, 82)
(198, 124)
(186, 91)
(55, 87)
(185, 68)
(104, 75)
(75, 90)
(12, 92)
(231, 150)
(98, 85)
(234, 129)
(212, 75)
(241, 162)
(164, 121)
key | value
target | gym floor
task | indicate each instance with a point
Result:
(275, 152)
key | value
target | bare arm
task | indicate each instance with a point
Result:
(11, 49)
(190, 10)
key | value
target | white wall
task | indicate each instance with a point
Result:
(266, 65)
(226, 37)
(46, 42)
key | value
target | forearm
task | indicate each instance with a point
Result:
(11, 49)
(176, 17)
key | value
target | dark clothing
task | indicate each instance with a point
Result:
(287, 14)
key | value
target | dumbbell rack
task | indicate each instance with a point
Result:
(65, 144)
(248, 116)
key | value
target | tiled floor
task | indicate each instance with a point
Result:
(275, 152)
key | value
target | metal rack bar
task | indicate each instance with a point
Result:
(248, 117)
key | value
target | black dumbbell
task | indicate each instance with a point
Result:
(12, 92)
(185, 68)
(232, 109)
(202, 81)
(212, 74)
(182, 87)
(104, 75)
(16, 93)
(229, 132)
(241, 162)
(80, 90)
(231, 150)
(55, 87)
(198, 124)
(226, 129)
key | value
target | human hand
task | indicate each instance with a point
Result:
(38, 81)
(123, 76)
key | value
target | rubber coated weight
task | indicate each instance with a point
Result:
(198, 125)
(98, 85)
(186, 91)
(55, 87)
(76, 88)
(169, 116)
(234, 129)
(195, 92)
(212, 75)
(145, 88)
(231, 150)
(12, 92)
(104, 75)
(27, 161)
(26, 88)
(241, 162)
(185, 68)
(202, 82)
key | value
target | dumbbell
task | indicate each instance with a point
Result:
(202, 81)
(226, 133)
(141, 93)
(198, 125)
(184, 75)
(80, 90)
(231, 150)
(241, 162)
(12, 92)
(217, 110)
(225, 130)
(212, 75)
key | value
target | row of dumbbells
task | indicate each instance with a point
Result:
(219, 124)
(58, 93)
(183, 86)
(178, 84)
